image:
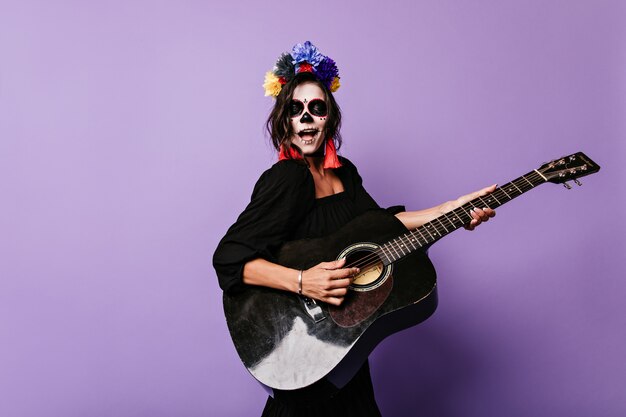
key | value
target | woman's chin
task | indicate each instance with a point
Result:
(309, 147)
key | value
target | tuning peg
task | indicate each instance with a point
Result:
(566, 185)
(578, 182)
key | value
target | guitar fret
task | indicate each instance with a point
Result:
(428, 232)
(407, 242)
(418, 231)
(390, 255)
(394, 249)
(431, 226)
(511, 190)
(466, 212)
(456, 226)
(513, 182)
(411, 240)
(382, 248)
(400, 247)
(524, 183)
(483, 201)
(445, 215)
(495, 198)
(531, 184)
(440, 222)
(502, 189)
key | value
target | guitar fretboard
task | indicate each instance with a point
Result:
(448, 222)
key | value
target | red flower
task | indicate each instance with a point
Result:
(282, 80)
(305, 67)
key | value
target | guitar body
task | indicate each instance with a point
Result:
(288, 342)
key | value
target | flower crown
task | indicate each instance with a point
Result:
(302, 58)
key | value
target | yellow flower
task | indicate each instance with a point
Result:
(271, 85)
(334, 86)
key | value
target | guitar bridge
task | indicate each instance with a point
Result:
(313, 309)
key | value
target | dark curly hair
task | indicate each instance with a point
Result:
(278, 123)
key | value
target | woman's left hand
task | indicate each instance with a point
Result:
(479, 215)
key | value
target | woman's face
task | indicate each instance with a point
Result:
(308, 112)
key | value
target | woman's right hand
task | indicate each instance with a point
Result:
(328, 281)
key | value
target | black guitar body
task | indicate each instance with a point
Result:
(288, 342)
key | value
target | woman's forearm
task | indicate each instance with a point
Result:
(414, 219)
(267, 274)
(326, 281)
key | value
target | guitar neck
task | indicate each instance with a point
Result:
(448, 222)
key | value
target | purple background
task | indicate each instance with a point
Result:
(130, 139)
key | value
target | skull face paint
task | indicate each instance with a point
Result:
(308, 112)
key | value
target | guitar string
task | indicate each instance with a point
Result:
(375, 256)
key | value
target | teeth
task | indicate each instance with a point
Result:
(309, 132)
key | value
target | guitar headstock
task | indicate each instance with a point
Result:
(567, 168)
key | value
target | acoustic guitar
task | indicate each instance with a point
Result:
(287, 341)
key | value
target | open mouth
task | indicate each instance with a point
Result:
(307, 132)
(308, 135)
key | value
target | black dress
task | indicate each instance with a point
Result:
(283, 207)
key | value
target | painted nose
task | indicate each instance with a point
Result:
(306, 118)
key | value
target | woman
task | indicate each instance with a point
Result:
(310, 192)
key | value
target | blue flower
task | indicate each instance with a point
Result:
(326, 71)
(306, 52)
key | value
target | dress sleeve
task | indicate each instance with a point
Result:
(282, 196)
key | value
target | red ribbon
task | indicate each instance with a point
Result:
(331, 160)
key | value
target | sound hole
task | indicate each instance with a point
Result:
(372, 270)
